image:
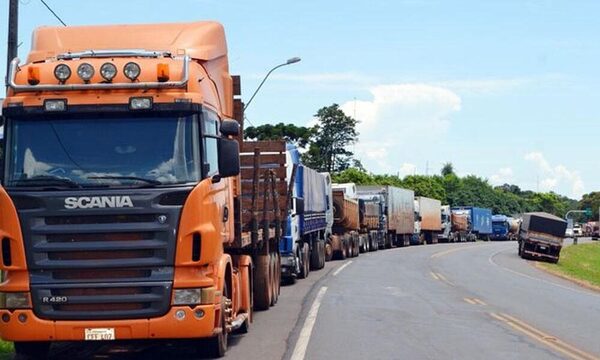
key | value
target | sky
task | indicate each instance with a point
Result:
(506, 90)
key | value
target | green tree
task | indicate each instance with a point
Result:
(447, 169)
(428, 186)
(592, 201)
(334, 133)
(353, 175)
(299, 135)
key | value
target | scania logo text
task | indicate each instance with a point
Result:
(90, 202)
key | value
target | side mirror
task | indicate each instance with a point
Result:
(229, 158)
(230, 127)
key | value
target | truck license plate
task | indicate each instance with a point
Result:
(100, 334)
(542, 248)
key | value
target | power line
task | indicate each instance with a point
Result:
(53, 13)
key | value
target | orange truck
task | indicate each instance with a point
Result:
(130, 207)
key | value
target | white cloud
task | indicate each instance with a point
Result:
(407, 169)
(555, 176)
(400, 120)
(503, 176)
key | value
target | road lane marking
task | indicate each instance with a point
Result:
(450, 251)
(474, 301)
(479, 301)
(342, 268)
(546, 339)
(443, 278)
(307, 328)
(491, 261)
(434, 275)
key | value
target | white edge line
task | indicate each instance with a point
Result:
(341, 268)
(491, 261)
(309, 323)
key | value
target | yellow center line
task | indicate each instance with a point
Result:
(479, 301)
(470, 301)
(546, 339)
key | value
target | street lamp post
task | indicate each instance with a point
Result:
(288, 62)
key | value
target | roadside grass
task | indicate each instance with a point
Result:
(6, 350)
(581, 262)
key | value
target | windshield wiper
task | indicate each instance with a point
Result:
(47, 180)
(114, 177)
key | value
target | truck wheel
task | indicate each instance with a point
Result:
(322, 253)
(314, 256)
(274, 281)
(262, 283)
(32, 349)
(218, 344)
(305, 266)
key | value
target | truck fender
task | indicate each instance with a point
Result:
(224, 273)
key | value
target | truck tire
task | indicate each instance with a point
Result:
(305, 266)
(218, 345)
(31, 349)
(262, 283)
(322, 253)
(274, 281)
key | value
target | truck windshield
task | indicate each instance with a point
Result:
(102, 152)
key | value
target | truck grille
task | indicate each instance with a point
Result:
(110, 263)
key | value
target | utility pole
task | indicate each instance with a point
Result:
(13, 34)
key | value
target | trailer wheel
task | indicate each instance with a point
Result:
(317, 255)
(218, 344)
(262, 283)
(32, 349)
(305, 266)
(273, 273)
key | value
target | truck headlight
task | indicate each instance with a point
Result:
(187, 296)
(15, 300)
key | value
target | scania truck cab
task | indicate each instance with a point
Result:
(120, 199)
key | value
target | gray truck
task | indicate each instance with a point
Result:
(541, 236)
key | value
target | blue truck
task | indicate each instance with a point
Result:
(480, 221)
(309, 221)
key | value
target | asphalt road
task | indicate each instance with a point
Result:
(445, 301)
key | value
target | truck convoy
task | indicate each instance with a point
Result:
(399, 212)
(303, 246)
(428, 219)
(541, 236)
(479, 221)
(504, 227)
(128, 210)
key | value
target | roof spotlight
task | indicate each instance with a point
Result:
(108, 71)
(62, 72)
(85, 71)
(131, 70)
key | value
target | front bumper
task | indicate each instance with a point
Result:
(164, 327)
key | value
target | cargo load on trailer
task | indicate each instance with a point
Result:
(131, 209)
(541, 236)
